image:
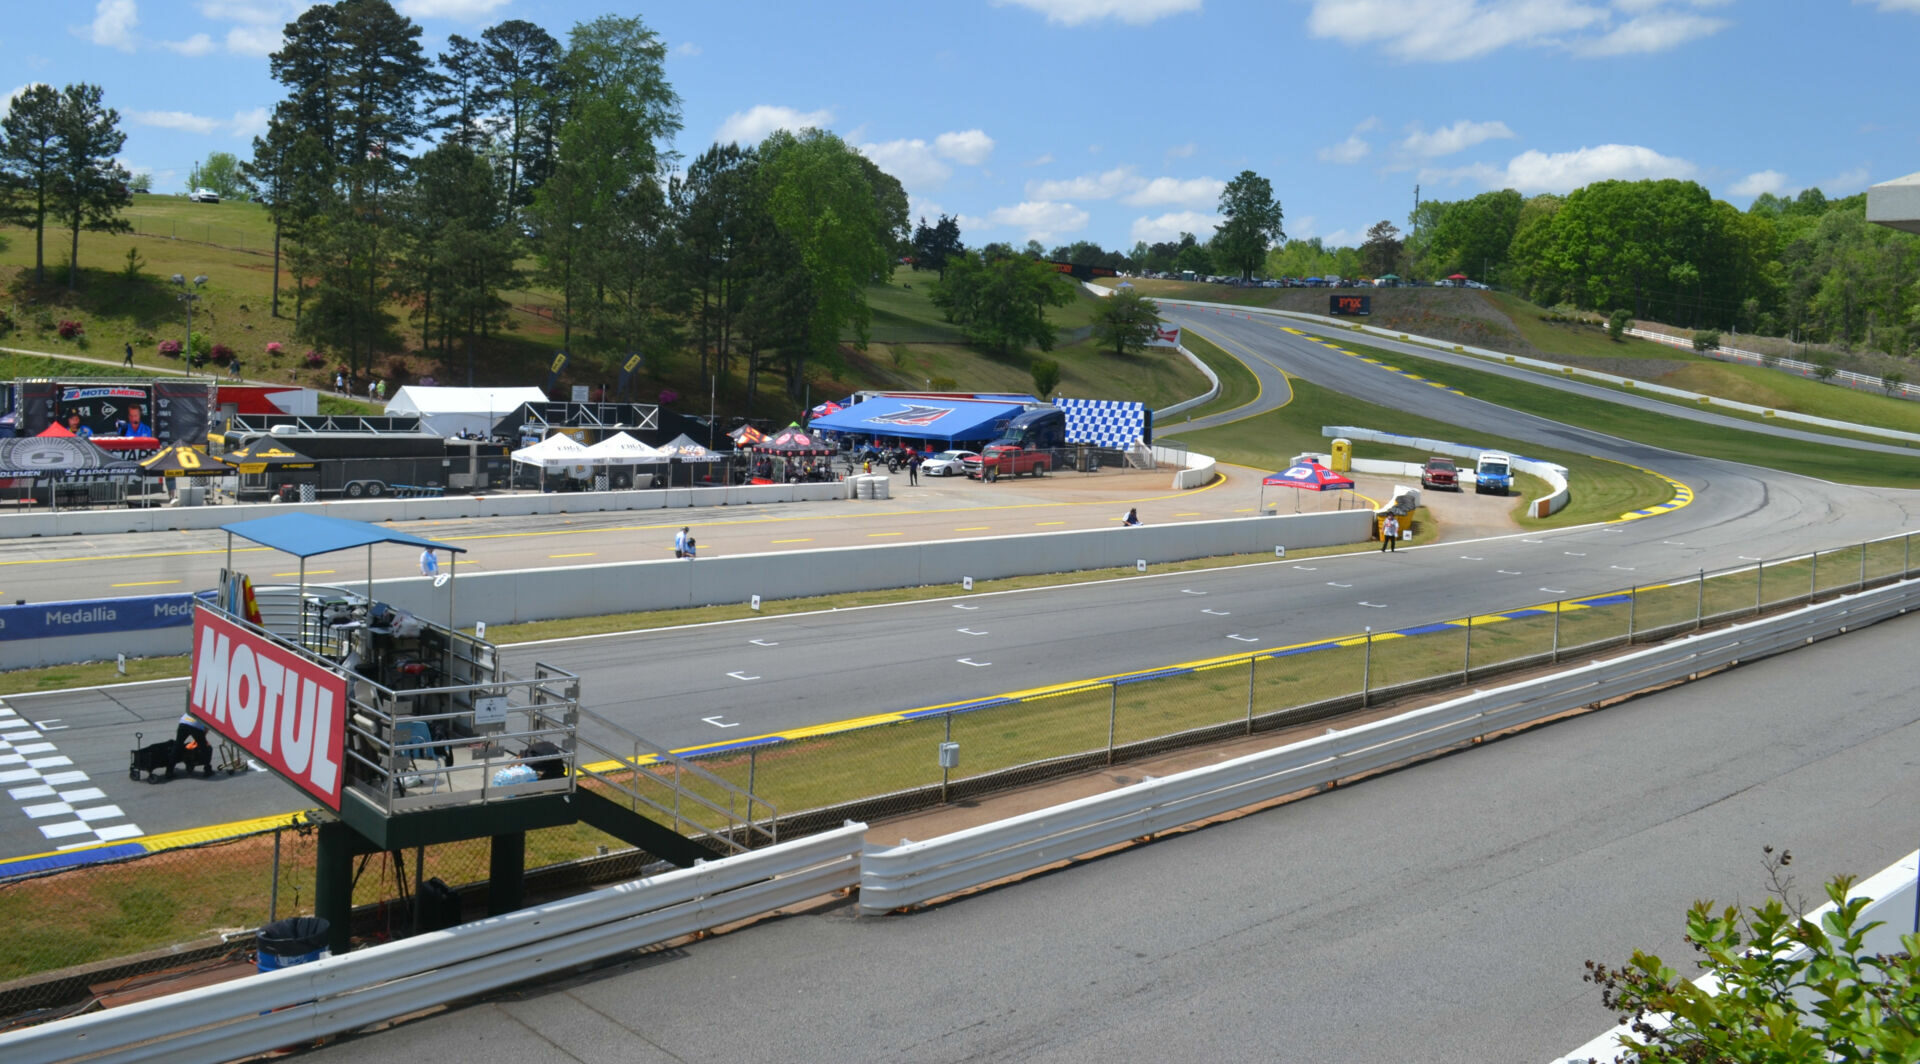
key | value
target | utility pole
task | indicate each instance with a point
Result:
(1416, 210)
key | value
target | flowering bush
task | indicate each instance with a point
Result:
(71, 329)
(170, 348)
(426, 382)
(221, 353)
(667, 396)
(274, 349)
(313, 359)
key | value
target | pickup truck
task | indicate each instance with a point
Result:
(1440, 473)
(1493, 474)
(1009, 460)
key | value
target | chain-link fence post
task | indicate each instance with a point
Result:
(1466, 662)
(1633, 603)
(1366, 671)
(1863, 568)
(1906, 563)
(1700, 602)
(1759, 586)
(273, 896)
(1113, 715)
(1559, 607)
(753, 766)
(946, 773)
(1813, 576)
(1251, 660)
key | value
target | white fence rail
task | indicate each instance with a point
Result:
(309, 1001)
(914, 873)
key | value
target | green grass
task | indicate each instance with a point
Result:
(1585, 341)
(1602, 490)
(1825, 461)
(1238, 385)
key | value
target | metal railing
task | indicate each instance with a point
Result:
(1860, 382)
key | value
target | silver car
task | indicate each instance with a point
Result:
(947, 464)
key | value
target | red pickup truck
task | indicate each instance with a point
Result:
(1009, 460)
(1440, 473)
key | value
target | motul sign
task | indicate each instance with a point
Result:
(286, 711)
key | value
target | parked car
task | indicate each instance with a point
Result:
(948, 464)
(1440, 473)
(204, 195)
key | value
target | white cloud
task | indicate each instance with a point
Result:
(113, 24)
(970, 147)
(687, 48)
(250, 124)
(252, 12)
(1040, 220)
(1079, 12)
(1040, 160)
(1454, 138)
(1894, 5)
(1768, 181)
(464, 10)
(1182, 151)
(253, 40)
(1452, 30)
(1169, 226)
(185, 121)
(1536, 171)
(1190, 192)
(1125, 184)
(752, 125)
(198, 44)
(1846, 183)
(912, 161)
(1652, 33)
(1351, 150)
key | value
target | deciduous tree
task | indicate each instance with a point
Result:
(1126, 320)
(1252, 223)
(219, 171)
(1001, 301)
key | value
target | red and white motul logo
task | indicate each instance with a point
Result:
(284, 710)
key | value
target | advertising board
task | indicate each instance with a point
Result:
(287, 712)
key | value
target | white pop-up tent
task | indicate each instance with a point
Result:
(451, 411)
(555, 452)
(619, 449)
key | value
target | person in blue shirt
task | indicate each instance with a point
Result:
(133, 425)
(76, 426)
(429, 563)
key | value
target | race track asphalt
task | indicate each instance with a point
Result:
(1441, 913)
(706, 684)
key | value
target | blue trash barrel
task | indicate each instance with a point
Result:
(295, 940)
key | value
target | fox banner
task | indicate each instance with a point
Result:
(285, 711)
(1165, 336)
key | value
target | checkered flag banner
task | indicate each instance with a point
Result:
(1104, 422)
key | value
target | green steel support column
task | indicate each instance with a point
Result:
(333, 884)
(506, 874)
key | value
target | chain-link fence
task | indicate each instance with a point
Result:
(73, 930)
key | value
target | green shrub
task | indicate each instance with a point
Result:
(1617, 323)
(1706, 339)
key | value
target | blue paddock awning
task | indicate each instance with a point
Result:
(919, 418)
(305, 535)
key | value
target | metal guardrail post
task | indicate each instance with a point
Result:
(1700, 602)
(1759, 585)
(1813, 576)
(1633, 603)
(1559, 607)
(1863, 568)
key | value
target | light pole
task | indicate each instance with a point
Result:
(187, 296)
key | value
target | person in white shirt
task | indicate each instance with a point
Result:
(680, 543)
(429, 563)
(1390, 533)
(1132, 520)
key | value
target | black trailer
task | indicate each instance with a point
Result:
(369, 465)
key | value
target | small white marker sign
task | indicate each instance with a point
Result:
(756, 603)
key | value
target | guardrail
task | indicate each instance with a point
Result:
(1859, 382)
(915, 873)
(1198, 468)
(338, 994)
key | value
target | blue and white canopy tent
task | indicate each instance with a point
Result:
(946, 420)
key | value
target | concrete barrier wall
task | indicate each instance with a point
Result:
(167, 518)
(1199, 467)
(66, 649)
(584, 591)
(1554, 475)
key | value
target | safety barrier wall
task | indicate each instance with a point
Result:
(1554, 475)
(1567, 371)
(337, 994)
(667, 583)
(1894, 892)
(918, 872)
(53, 633)
(166, 518)
(1199, 467)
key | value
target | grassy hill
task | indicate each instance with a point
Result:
(231, 244)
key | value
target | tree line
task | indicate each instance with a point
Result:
(1808, 268)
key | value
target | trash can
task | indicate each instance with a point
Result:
(295, 940)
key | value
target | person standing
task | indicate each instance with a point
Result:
(429, 563)
(680, 543)
(128, 361)
(1132, 520)
(913, 467)
(1390, 533)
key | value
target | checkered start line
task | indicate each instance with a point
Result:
(49, 789)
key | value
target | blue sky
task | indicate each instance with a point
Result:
(1118, 120)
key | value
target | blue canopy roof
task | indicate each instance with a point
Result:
(923, 418)
(305, 535)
